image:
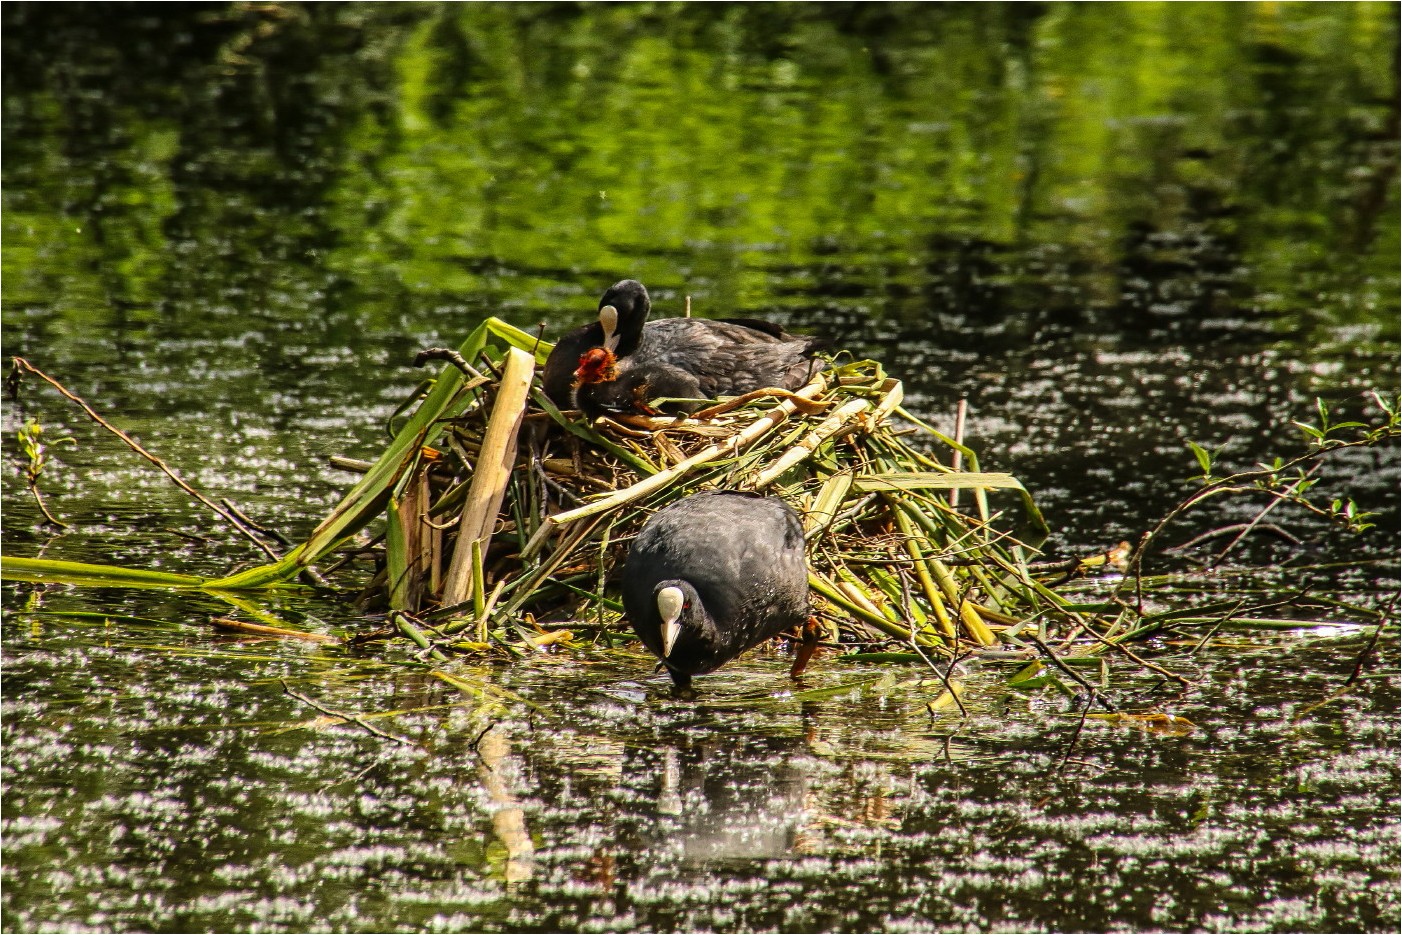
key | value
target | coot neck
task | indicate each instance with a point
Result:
(630, 330)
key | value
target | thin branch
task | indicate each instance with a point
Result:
(1284, 494)
(1228, 484)
(452, 357)
(44, 507)
(1080, 726)
(1362, 658)
(1217, 626)
(1153, 667)
(21, 364)
(1354, 675)
(1242, 528)
(349, 718)
(1075, 676)
(259, 528)
(944, 676)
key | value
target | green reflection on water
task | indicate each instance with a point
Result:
(513, 158)
(605, 140)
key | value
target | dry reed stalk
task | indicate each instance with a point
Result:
(662, 479)
(847, 414)
(258, 629)
(484, 497)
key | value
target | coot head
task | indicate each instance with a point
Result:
(679, 607)
(622, 312)
(687, 634)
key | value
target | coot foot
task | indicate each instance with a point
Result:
(811, 631)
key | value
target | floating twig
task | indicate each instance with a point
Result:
(348, 718)
(1080, 726)
(259, 629)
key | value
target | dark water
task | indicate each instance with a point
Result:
(1112, 228)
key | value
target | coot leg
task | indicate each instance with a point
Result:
(811, 632)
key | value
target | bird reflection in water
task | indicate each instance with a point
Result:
(720, 799)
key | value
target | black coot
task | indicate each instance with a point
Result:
(623, 360)
(713, 575)
(696, 359)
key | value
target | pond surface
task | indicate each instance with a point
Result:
(1111, 228)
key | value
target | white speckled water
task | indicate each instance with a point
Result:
(1113, 228)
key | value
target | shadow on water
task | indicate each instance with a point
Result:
(1113, 228)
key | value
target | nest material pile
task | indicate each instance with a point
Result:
(502, 512)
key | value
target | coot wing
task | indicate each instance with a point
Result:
(557, 377)
(727, 359)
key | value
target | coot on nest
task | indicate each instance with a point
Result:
(713, 575)
(622, 360)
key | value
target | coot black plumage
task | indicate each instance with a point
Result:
(693, 358)
(687, 358)
(713, 575)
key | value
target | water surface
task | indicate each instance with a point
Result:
(1113, 228)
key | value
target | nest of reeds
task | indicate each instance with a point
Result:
(504, 512)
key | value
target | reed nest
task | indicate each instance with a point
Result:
(505, 514)
(487, 519)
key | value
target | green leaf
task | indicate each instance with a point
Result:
(53, 571)
(882, 657)
(530, 343)
(1204, 459)
(396, 559)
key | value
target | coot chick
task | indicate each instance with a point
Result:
(605, 386)
(713, 575)
(625, 303)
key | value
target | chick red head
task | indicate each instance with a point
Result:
(596, 365)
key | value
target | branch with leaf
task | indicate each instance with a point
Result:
(36, 456)
(1283, 480)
